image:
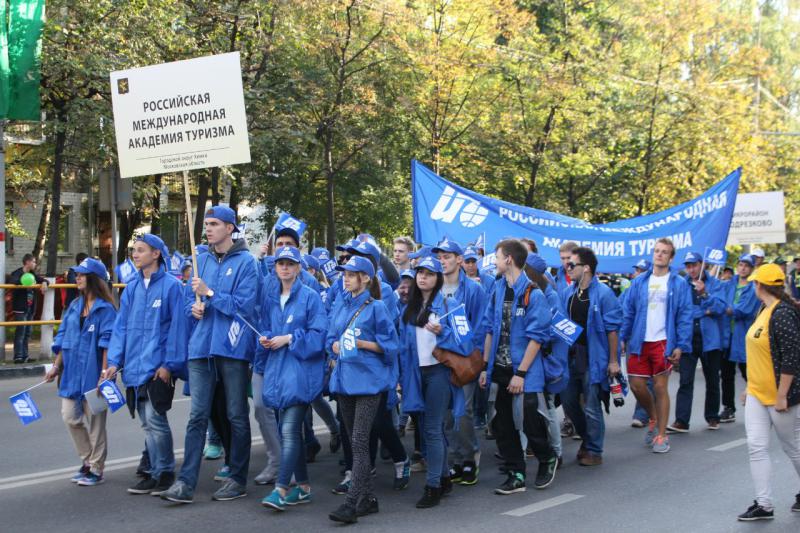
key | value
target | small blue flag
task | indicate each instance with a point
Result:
(285, 220)
(461, 329)
(329, 268)
(176, 262)
(114, 397)
(235, 333)
(715, 256)
(347, 344)
(488, 264)
(126, 271)
(564, 328)
(25, 408)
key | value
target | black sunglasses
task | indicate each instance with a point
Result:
(572, 265)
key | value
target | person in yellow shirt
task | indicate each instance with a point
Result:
(772, 397)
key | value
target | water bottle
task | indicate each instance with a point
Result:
(616, 391)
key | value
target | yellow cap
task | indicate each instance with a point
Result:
(768, 274)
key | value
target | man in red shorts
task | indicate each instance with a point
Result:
(656, 329)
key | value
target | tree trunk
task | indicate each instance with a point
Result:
(155, 218)
(215, 186)
(55, 216)
(538, 154)
(202, 198)
(128, 222)
(236, 184)
(38, 243)
(329, 176)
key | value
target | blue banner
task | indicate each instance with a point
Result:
(114, 397)
(564, 328)
(444, 208)
(25, 408)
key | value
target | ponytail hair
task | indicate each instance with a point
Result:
(778, 292)
(375, 288)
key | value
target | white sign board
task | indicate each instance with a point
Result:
(180, 116)
(758, 218)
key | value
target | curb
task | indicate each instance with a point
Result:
(10, 372)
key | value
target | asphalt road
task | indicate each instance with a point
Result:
(701, 485)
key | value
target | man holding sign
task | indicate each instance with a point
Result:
(227, 282)
(593, 356)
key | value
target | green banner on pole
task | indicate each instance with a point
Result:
(20, 58)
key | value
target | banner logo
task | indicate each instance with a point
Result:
(233, 333)
(452, 203)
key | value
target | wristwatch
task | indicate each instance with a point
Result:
(210, 293)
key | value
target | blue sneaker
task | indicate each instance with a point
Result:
(212, 452)
(651, 433)
(223, 473)
(91, 479)
(274, 500)
(297, 496)
(81, 474)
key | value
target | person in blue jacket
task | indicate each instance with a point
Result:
(362, 342)
(337, 287)
(562, 277)
(593, 357)
(226, 283)
(425, 381)
(741, 307)
(293, 325)
(465, 450)
(708, 307)
(517, 323)
(149, 342)
(472, 269)
(656, 330)
(81, 349)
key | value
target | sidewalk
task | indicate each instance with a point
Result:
(34, 367)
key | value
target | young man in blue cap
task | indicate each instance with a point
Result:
(640, 417)
(708, 308)
(472, 269)
(465, 449)
(149, 340)
(219, 355)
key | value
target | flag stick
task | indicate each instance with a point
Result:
(248, 324)
(451, 311)
(190, 219)
(31, 388)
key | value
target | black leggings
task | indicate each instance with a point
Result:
(358, 413)
(384, 429)
(729, 381)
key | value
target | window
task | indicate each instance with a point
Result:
(64, 233)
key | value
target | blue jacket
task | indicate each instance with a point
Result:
(734, 328)
(561, 281)
(234, 280)
(151, 330)
(294, 374)
(605, 316)
(82, 348)
(679, 314)
(410, 375)
(557, 361)
(709, 311)
(366, 372)
(388, 296)
(487, 282)
(527, 324)
(472, 295)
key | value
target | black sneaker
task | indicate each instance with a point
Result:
(144, 486)
(447, 486)
(311, 452)
(165, 481)
(727, 416)
(335, 442)
(144, 465)
(469, 475)
(515, 482)
(430, 497)
(402, 481)
(567, 428)
(455, 473)
(796, 506)
(367, 506)
(345, 514)
(755, 512)
(546, 473)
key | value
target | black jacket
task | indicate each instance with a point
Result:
(784, 346)
(21, 297)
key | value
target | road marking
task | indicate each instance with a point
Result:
(727, 446)
(544, 504)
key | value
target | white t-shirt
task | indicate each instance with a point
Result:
(284, 299)
(449, 291)
(426, 342)
(146, 282)
(656, 324)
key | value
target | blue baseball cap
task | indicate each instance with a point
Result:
(288, 232)
(349, 244)
(429, 263)
(155, 242)
(692, 257)
(366, 237)
(408, 273)
(223, 213)
(288, 253)
(536, 262)
(366, 248)
(747, 258)
(643, 264)
(92, 266)
(321, 254)
(358, 264)
(470, 252)
(311, 261)
(425, 251)
(449, 247)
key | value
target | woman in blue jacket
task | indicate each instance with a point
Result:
(293, 323)
(426, 382)
(363, 343)
(81, 347)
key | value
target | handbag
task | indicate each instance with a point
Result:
(463, 370)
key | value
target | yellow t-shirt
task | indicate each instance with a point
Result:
(760, 371)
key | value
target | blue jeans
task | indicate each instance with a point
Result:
(203, 377)
(436, 395)
(587, 418)
(22, 334)
(640, 413)
(293, 452)
(683, 401)
(213, 437)
(157, 438)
